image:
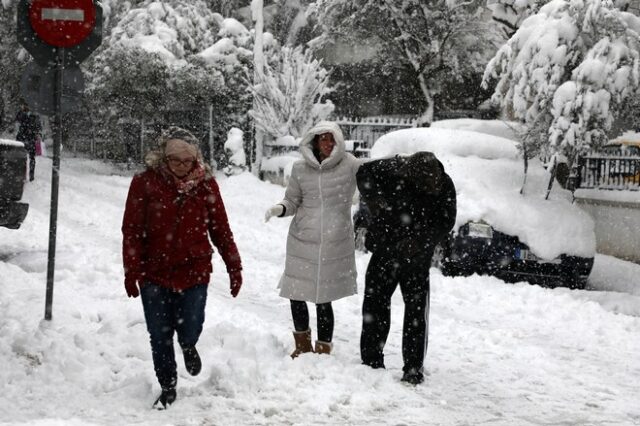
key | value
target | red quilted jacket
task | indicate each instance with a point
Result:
(166, 234)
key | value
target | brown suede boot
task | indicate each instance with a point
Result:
(323, 347)
(303, 343)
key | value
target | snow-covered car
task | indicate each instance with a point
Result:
(499, 230)
(505, 129)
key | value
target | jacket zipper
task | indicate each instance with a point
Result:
(321, 232)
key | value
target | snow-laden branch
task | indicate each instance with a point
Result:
(289, 95)
(566, 73)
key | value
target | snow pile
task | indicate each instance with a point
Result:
(234, 147)
(444, 142)
(498, 354)
(504, 129)
(9, 142)
(284, 141)
(488, 176)
(629, 137)
(281, 164)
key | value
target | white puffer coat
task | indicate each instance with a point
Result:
(320, 265)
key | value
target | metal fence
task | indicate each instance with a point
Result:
(365, 131)
(615, 170)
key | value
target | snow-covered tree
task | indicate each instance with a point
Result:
(566, 73)
(13, 58)
(631, 111)
(174, 29)
(168, 56)
(289, 95)
(511, 13)
(438, 40)
(289, 22)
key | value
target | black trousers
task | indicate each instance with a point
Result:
(324, 313)
(383, 275)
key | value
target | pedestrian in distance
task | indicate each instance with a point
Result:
(173, 212)
(320, 262)
(412, 202)
(29, 131)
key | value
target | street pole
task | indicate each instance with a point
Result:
(55, 180)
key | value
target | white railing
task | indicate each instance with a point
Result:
(377, 121)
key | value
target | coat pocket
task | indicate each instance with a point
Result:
(202, 250)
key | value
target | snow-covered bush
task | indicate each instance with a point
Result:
(234, 149)
(566, 73)
(289, 95)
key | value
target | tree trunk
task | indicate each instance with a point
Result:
(426, 118)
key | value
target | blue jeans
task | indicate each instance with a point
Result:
(167, 311)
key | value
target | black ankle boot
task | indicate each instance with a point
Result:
(192, 360)
(166, 398)
(413, 376)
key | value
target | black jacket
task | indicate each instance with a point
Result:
(30, 126)
(412, 202)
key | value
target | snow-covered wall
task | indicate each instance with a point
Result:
(617, 222)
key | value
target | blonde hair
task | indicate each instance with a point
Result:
(155, 157)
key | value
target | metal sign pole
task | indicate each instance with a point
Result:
(55, 179)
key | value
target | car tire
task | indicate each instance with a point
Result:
(573, 280)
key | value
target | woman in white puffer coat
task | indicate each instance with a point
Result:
(320, 265)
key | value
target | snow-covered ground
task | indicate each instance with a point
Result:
(499, 354)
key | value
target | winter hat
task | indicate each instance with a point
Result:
(178, 147)
(154, 158)
(175, 132)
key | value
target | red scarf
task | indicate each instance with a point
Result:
(188, 182)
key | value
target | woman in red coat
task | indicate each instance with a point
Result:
(173, 210)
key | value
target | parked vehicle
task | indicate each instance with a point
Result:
(13, 177)
(499, 231)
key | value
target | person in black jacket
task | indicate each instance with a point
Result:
(412, 202)
(28, 132)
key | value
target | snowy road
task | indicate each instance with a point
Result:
(499, 354)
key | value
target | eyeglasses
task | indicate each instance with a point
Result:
(175, 162)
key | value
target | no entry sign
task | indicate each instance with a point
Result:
(62, 23)
(59, 34)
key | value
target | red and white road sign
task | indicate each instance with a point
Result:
(62, 23)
